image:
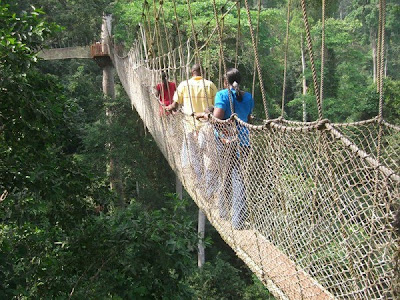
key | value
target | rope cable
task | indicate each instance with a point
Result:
(382, 12)
(222, 54)
(197, 54)
(257, 33)
(285, 59)
(378, 50)
(237, 35)
(253, 39)
(311, 54)
(322, 53)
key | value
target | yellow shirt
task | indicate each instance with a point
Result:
(195, 94)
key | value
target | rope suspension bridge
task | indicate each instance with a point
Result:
(321, 198)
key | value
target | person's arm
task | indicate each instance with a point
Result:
(219, 113)
(219, 106)
(178, 98)
(172, 106)
(204, 115)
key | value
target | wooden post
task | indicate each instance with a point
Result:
(109, 93)
(201, 257)
(178, 188)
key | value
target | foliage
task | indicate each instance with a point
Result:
(20, 37)
(256, 291)
(220, 280)
(131, 254)
(82, 18)
(34, 124)
(391, 100)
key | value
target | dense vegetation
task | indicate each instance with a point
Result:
(62, 234)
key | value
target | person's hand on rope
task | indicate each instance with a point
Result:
(172, 106)
(225, 137)
(228, 141)
(250, 119)
(202, 117)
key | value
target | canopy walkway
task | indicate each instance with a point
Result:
(320, 198)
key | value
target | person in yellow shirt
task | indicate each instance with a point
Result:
(195, 95)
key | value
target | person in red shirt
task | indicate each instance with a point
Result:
(165, 91)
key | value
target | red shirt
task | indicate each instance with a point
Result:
(166, 95)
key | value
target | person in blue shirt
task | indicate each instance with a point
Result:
(233, 144)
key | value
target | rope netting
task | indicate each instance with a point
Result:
(310, 207)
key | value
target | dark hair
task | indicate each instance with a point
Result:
(197, 69)
(233, 78)
(164, 78)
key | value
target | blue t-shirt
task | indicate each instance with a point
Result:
(242, 108)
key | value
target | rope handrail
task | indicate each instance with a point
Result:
(373, 162)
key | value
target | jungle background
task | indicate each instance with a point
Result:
(63, 232)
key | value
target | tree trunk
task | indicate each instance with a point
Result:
(373, 46)
(386, 60)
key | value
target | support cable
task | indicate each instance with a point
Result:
(197, 54)
(382, 11)
(322, 54)
(222, 53)
(285, 59)
(311, 53)
(253, 39)
(257, 33)
(237, 35)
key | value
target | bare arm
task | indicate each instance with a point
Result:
(172, 106)
(204, 115)
(219, 113)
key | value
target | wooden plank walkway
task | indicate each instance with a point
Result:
(278, 272)
(65, 53)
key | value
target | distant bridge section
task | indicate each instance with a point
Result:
(65, 53)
